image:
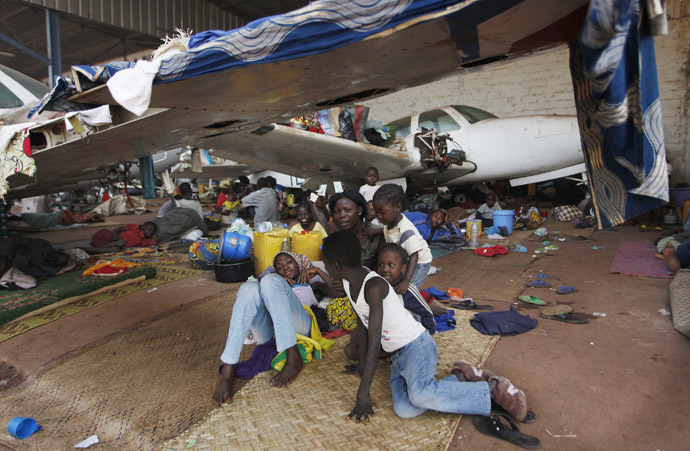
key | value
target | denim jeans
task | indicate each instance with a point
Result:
(415, 390)
(268, 307)
(420, 273)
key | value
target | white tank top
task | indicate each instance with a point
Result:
(398, 328)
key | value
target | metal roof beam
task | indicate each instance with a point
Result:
(25, 49)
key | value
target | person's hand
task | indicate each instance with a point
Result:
(337, 286)
(370, 232)
(313, 272)
(362, 410)
(303, 278)
(289, 281)
(354, 369)
(402, 286)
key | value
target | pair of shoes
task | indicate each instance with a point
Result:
(508, 396)
(539, 283)
(494, 427)
(505, 396)
(562, 312)
(469, 304)
(470, 372)
(532, 300)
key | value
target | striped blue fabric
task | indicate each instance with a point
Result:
(619, 112)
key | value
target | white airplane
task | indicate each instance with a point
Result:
(221, 91)
(449, 145)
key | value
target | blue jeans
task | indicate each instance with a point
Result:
(268, 307)
(415, 390)
(420, 273)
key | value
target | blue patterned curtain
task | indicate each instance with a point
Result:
(617, 98)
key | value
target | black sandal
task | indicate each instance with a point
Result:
(469, 304)
(494, 427)
(531, 417)
(566, 318)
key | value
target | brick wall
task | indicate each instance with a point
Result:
(541, 84)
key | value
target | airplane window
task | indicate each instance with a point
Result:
(8, 99)
(402, 127)
(439, 120)
(473, 114)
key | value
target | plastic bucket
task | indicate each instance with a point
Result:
(235, 246)
(504, 218)
(308, 244)
(22, 427)
(266, 246)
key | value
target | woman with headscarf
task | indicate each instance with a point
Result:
(273, 306)
(349, 210)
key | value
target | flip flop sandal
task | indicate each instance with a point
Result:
(532, 300)
(538, 284)
(566, 318)
(469, 304)
(494, 427)
(558, 309)
(543, 276)
(531, 417)
(566, 290)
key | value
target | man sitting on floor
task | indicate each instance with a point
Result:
(184, 200)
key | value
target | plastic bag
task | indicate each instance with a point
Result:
(238, 225)
(347, 130)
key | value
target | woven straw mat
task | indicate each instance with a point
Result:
(679, 291)
(311, 413)
(137, 389)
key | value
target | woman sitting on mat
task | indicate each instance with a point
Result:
(272, 306)
(349, 211)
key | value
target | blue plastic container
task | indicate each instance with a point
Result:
(504, 218)
(22, 427)
(235, 246)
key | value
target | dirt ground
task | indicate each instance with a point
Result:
(615, 383)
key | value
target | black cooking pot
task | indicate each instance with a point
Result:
(231, 271)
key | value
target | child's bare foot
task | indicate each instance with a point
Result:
(223, 391)
(293, 366)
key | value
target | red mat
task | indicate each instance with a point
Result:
(637, 258)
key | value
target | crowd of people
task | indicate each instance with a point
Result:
(379, 268)
(376, 255)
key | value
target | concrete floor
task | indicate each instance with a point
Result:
(615, 383)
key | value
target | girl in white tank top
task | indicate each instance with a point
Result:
(398, 328)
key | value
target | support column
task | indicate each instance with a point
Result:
(54, 48)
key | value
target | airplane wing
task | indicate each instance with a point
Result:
(322, 158)
(217, 171)
(326, 54)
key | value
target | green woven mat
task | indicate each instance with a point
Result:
(163, 274)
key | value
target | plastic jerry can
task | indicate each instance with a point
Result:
(267, 246)
(308, 244)
(290, 200)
